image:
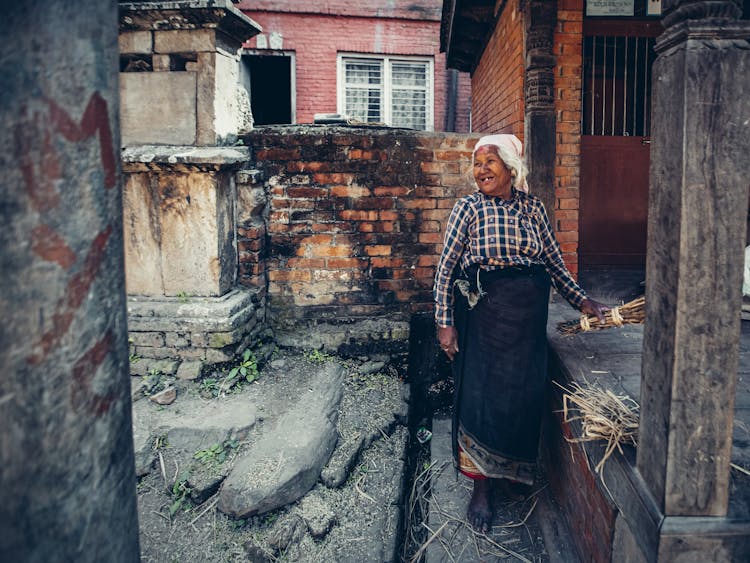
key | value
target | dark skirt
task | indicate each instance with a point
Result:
(500, 374)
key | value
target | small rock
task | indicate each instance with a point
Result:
(203, 485)
(189, 370)
(344, 457)
(371, 367)
(165, 397)
(278, 364)
(255, 554)
(318, 516)
(288, 532)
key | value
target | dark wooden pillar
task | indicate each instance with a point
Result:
(66, 449)
(696, 234)
(539, 100)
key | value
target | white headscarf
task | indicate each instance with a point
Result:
(510, 149)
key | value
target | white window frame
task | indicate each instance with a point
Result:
(387, 61)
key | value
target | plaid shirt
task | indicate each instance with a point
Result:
(496, 233)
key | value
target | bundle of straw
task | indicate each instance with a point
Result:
(633, 312)
(603, 416)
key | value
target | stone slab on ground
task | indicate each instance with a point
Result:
(190, 424)
(515, 534)
(286, 461)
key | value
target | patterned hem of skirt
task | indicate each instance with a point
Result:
(486, 465)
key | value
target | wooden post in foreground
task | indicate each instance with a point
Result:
(67, 473)
(698, 202)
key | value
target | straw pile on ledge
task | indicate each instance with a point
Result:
(603, 415)
(633, 312)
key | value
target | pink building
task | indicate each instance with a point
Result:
(375, 62)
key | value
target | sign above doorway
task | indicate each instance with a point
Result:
(610, 7)
(623, 8)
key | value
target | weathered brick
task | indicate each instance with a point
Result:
(340, 263)
(418, 203)
(357, 215)
(567, 203)
(184, 40)
(378, 250)
(395, 191)
(278, 154)
(328, 250)
(350, 191)
(135, 42)
(177, 339)
(152, 339)
(289, 275)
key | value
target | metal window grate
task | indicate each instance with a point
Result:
(409, 95)
(396, 92)
(617, 85)
(364, 89)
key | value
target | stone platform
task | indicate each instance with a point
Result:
(598, 507)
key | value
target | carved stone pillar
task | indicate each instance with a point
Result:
(539, 99)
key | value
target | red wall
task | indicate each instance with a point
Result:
(497, 82)
(317, 39)
(568, 41)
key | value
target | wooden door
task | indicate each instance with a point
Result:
(614, 200)
(616, 126)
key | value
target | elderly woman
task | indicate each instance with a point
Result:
(491, 292)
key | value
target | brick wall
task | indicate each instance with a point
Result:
(497, 83)
(413, 9)
(568, 42)
(355, 220)
(589, 513)
(316, 41)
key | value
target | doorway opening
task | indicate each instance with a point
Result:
(615, 141)
(271, 88)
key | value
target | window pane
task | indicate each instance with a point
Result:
(409, 74)
(409, 109)
(409, 95)
(363, 89)
(363, 104)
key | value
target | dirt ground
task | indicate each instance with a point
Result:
(357, 521)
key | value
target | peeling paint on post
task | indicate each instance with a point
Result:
(66, 449)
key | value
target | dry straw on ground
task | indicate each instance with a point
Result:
(633, 312)
(603, 415)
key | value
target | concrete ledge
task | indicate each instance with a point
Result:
(176, 314)
(380, 335)
(188, 14)
(145, 158)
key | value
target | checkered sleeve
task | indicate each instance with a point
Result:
(456, 239)
(552, 256)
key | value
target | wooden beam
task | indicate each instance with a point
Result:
(696, 236)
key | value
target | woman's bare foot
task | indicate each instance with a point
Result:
(479, 514)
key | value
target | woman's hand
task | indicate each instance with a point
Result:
(448, 338)
(591, 307)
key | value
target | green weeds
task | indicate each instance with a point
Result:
(216, 454)
(180, 492)
(317, 356)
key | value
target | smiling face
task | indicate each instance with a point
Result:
(490, 172)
